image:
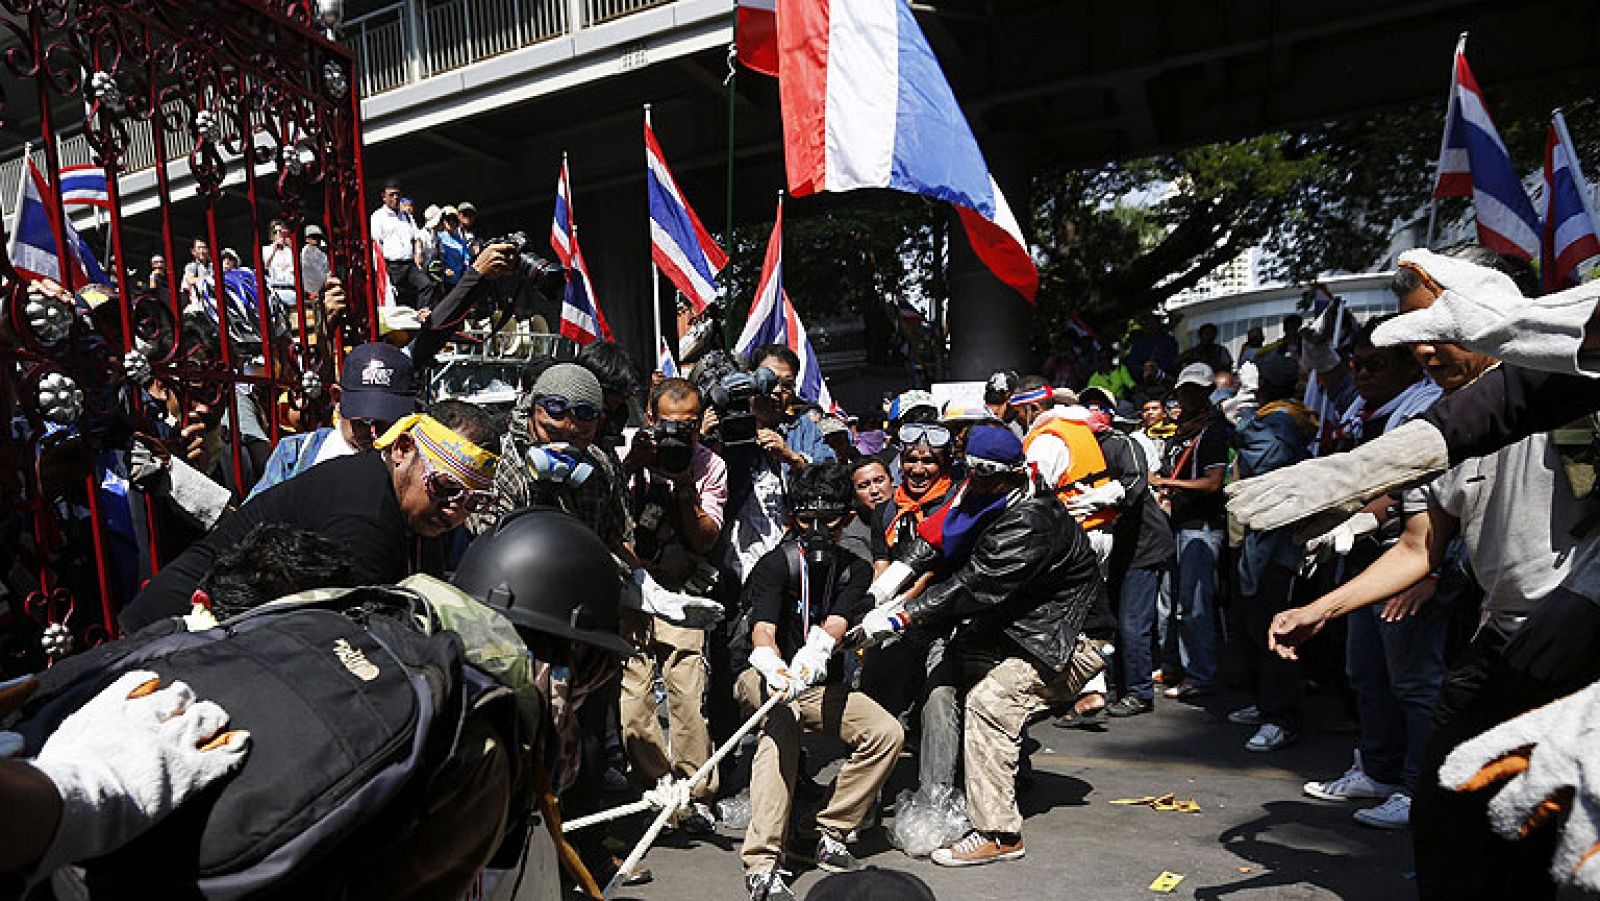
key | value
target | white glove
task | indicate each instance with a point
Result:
(645, 593)
(889, 582)
(1407, 456)
(1091, 498)
(1483, 310)
(879, 625)
(201, 499)
(1339, 540)
(127, 759)
(810, 663)
(1549, 761)
(780, 679)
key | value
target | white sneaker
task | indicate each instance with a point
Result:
(1394, 813)
(1353, 785)
(1246, 716)
(1270, 737)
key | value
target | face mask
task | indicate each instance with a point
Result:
(1099, 419)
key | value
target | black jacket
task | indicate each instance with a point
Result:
(1507, 404)
(1032, 578)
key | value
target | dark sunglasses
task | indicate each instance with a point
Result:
(1371, 364)
(560, 408)
(444, 489)
(912, 433)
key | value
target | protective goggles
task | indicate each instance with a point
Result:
(979, 466)
(559, 407)
(444, 489)
(912, 433)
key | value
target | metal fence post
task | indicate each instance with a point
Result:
(417, 45)
(575, 19)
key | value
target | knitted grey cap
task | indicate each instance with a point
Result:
(571, 381)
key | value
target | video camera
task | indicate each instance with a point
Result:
(674, 443)
(728, 388)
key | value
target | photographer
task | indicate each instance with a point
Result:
(676, 489)
(501, 262)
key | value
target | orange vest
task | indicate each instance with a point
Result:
(1088, 464)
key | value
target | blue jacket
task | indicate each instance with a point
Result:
(1264, 443)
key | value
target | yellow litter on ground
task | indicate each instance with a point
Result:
(1164, 802)
(1166, 882)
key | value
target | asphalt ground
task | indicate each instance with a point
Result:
(1256, 834)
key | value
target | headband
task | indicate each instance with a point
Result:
(470, 464)
(1034, 396)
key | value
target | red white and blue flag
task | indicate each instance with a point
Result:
(756, 36)
(865, 105)
(561, 225)
(33, 242)
(581, 319)
(665, 364)
(773, 321)
(84, 186)
(687, 254)
(1569, 233)
(1473, 163)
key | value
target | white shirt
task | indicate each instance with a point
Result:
(333, 446)
(278, 261)
(395, 233)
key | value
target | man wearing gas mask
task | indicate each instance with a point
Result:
(799, 599)
(676, 489)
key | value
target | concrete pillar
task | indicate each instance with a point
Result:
(989, 322)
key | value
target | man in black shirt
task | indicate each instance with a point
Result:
(424, 477)
(800, 598)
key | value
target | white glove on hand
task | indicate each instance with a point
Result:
(645, 593)
(880, 624)
(1407, 456)
(1549, 760)
(1483, 310)
(1091, 498)
(1341, 539)
(127, 759)
(780, 679)
(889, 582)
(810, 664)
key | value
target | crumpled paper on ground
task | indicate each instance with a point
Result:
(934, 816)
(1164, 802)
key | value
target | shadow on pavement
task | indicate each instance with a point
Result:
(1346, 862)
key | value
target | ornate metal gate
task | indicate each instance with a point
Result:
(244, 104)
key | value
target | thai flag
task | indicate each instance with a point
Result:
(679, 244)
(909, 314)
(865, 105)
(773, 321)
(84, 186)
(581, 319)
(33, 242)
(667, 366)
(1473, 163)
(1569, 236)
(756, 36)
(561, 227)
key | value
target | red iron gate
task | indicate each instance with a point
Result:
(246, 105)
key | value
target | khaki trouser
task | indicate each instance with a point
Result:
(997, 708)
(874, 738)
(680, 654)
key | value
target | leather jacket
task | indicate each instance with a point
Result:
(1032, 578)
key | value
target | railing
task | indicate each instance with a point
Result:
(596, 11)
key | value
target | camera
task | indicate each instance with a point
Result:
(729, 390)
(674, 442)
(532, 279)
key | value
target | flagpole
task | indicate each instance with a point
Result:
(1444, 138)
(1559, 119)
(655, 271)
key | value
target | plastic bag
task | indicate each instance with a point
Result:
(733, 812)
(934, 816)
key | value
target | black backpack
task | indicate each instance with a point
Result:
(354, 700)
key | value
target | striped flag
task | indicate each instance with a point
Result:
(679, 243)
(561, 226)
(1473, 163)
(84, 186)
(756, 36)
(773, 321)
(865, 105)
(664, 363)
(581, 319)
(32, 246)
(1569, 235)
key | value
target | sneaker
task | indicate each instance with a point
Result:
(1354, 784)
(1188, 691)
(834, 856)
(1394, 813)
(700, 820)
(769, 886)
(979, 848)
(1246, 716)
(1129, 705)
(1270, 737)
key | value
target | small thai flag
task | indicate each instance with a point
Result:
(561, 227)
(667, 366)
(33, 242)
(687, 254)
(84, 186)
(581, 319)
(773, 321)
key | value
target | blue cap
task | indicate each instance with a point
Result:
(378, 382)
(997, 444)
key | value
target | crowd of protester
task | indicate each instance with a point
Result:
(921, 578)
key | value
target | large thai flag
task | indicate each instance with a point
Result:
(581, 319)
(33, 242)
(680, 245)
(84, 186)
(1473, 163)
(865, 105)
(1569, 235)
(561, 225)
(773, 321)
(755, 36)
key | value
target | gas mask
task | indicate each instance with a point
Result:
(816, 519)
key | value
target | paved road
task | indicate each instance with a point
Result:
(1256, 836)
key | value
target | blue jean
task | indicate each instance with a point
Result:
(1396, 670)
(1136, 630)
(1199, 550)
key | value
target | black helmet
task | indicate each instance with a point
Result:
(545, 571)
